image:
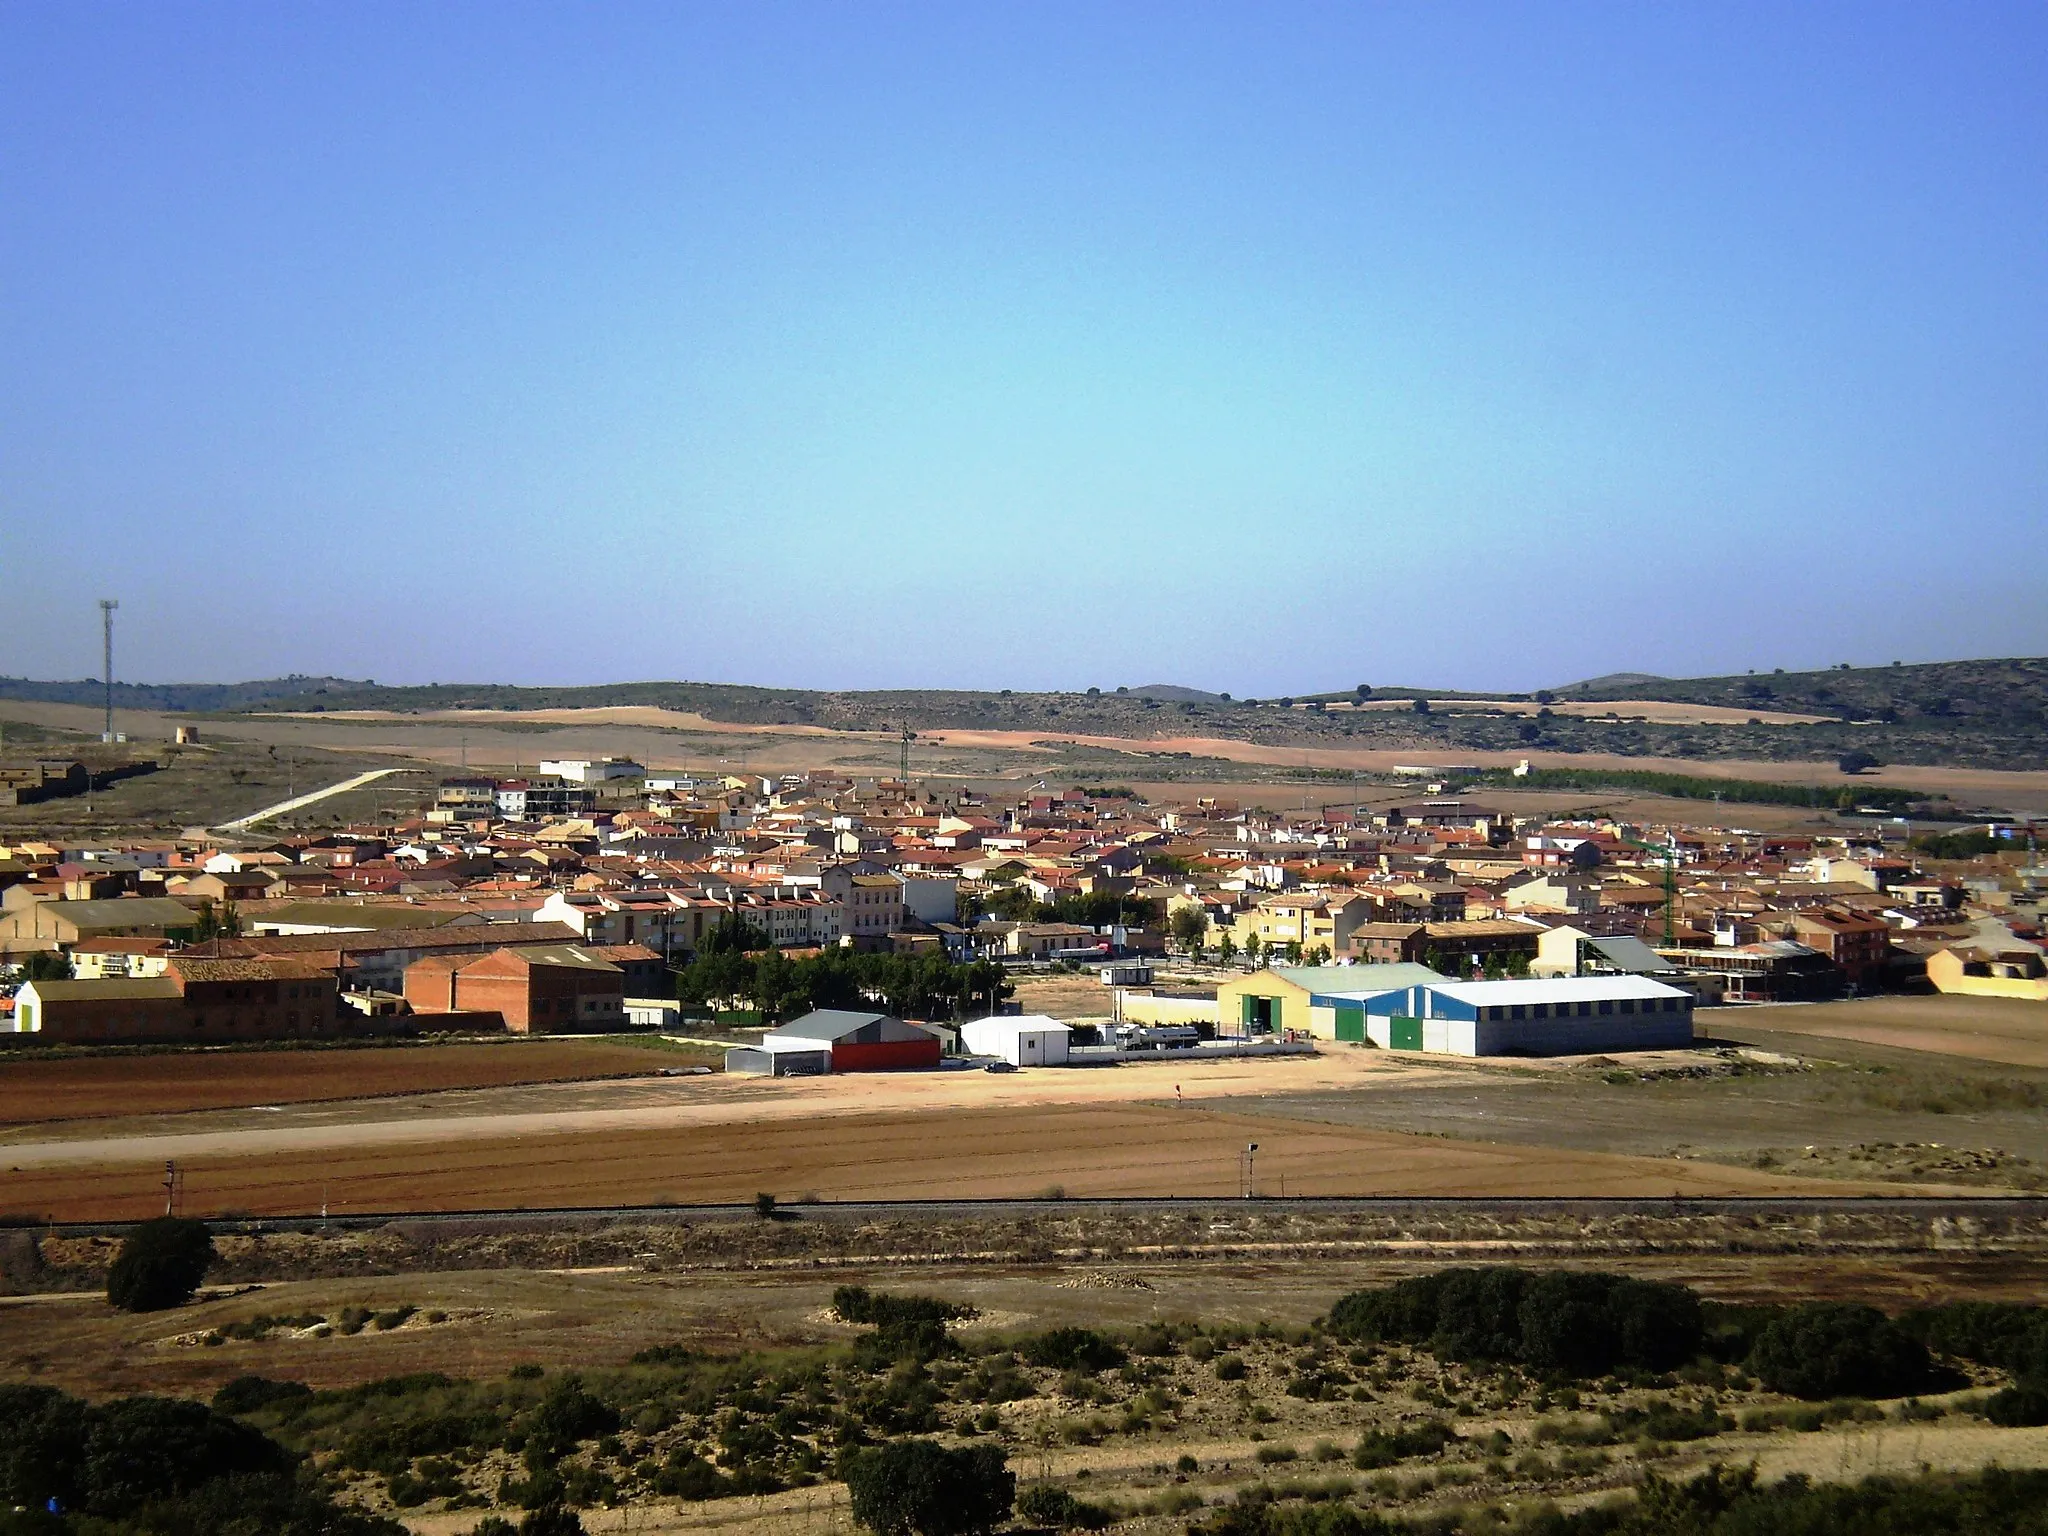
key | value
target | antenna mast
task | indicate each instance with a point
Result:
(107, 607)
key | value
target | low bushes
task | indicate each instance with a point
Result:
(1059, 1510)
(1573, 1322)
(1384, 1447)
(1072, 1349)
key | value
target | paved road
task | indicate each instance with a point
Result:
(301, 801)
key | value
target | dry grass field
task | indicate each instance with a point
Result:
(95, 1087)
(1115, 1436)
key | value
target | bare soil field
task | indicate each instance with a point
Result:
(2001, 1029)
(991, 1153)
(174, 1082)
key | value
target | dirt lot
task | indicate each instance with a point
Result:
(2001, 1029)
(173, 1082)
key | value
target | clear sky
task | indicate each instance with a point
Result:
(1260, 347)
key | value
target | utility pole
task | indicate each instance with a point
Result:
(107, 607)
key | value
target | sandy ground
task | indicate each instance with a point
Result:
(2001, 1029)
(91, 1087)
(946, 1135)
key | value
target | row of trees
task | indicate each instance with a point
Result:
(739, 968)
(1094, 909)
(1589, 1324)
(1189, 929)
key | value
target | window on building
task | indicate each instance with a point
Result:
(1606, 1008)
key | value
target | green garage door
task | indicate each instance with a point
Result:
(1404, 1033)
(1350, 1021)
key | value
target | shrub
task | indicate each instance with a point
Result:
(858, 1304)
(551, 1520)
(1043, 1504)
(919, 1488)
(567, 1415)
(160, 1265)
(1577, 1322)
(1072, 1349)
(2025, 1404)
(1382, 1448)
(1230, 1368)
(109, 1459)
(252, 1394)
(1829, 1349)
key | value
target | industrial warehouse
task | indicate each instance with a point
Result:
(1560, 1016)
(837, 1040)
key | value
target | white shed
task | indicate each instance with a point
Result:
(1025, 1040)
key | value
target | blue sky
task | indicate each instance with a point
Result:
(1261, 348)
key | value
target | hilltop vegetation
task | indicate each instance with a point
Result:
(1985, 714)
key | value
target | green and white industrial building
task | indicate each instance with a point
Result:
(1557, 1016)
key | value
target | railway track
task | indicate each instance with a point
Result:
(1926, 1208)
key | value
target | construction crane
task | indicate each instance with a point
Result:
(1669, 849)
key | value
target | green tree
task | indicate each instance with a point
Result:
(160, 1265)
(47, 965)
(919, 1488)
(1254, 949)
(1316, 954)
(1857, 761)
(1014, 904)
(1838, 1349)
(1189, 926)
(1226, 947)
(733, 934)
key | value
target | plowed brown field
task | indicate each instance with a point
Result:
(1007, 1152)
(91, 1088)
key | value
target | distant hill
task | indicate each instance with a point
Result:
(1614, 680)
(2011, 692)
(205, 697)
(1984, 714)
(1173, 693)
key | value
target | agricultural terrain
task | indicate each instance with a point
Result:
(101, 1084)
(1974, 714)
